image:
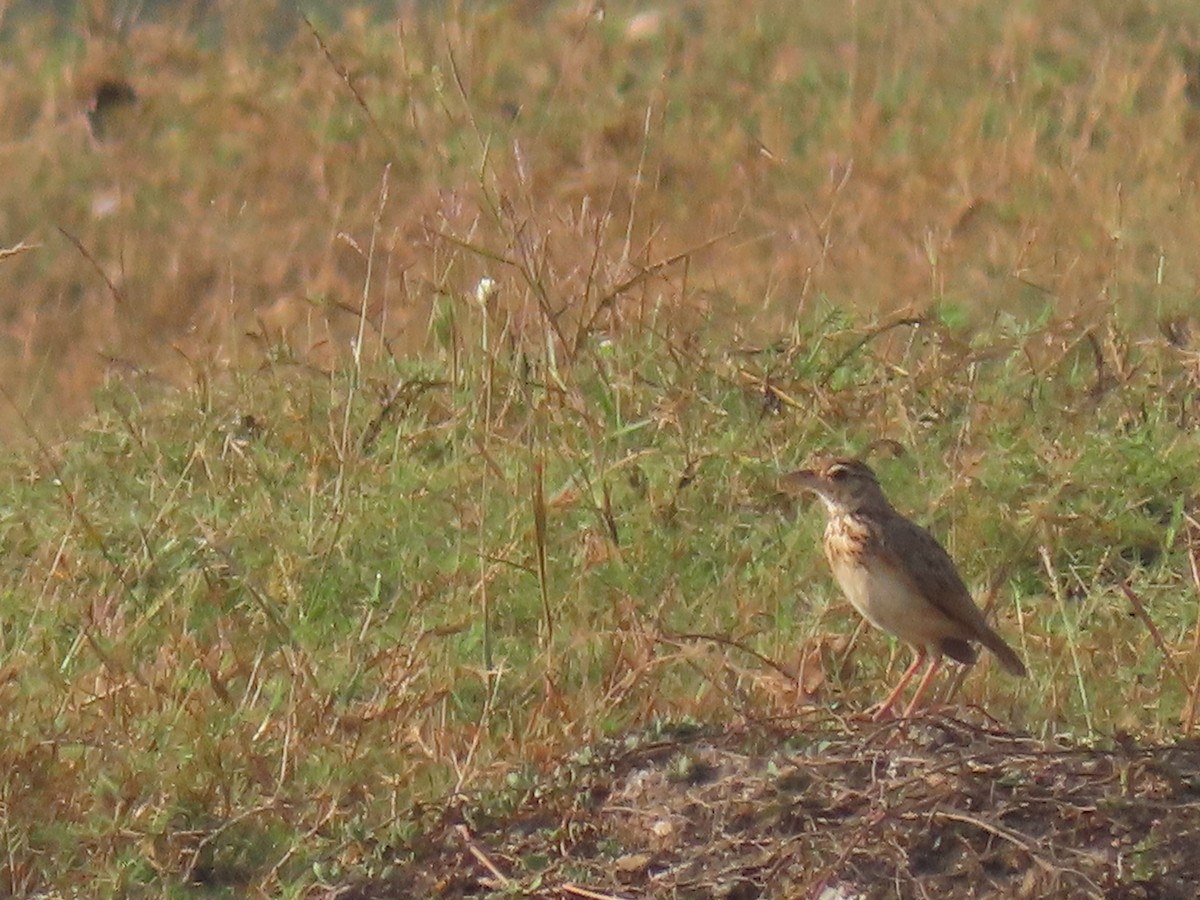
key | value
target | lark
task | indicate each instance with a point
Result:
(897, 575)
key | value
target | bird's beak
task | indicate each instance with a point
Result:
(800, 480)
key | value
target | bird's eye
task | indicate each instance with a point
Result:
(837, 473)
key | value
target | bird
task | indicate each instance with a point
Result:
(897, 575)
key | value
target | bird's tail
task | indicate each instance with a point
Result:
(1007, 656)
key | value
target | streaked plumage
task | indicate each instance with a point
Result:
(896, 573)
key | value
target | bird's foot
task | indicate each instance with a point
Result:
(880, 712)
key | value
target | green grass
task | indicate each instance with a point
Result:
(238, 646)
(306, 531)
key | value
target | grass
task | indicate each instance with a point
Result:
(356, 529)
(240, 646)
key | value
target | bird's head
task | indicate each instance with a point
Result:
(844, 484)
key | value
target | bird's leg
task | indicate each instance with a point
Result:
(886, 707)
(934, 665)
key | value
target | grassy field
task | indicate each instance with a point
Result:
(396, 411)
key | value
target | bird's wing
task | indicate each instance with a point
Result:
(917, 556)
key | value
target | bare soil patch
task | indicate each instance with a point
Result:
(938, 806)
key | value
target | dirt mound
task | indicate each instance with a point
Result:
(930, 807)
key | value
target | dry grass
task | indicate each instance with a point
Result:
(983, 161)
(457, 358)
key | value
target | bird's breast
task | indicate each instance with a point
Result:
(881, 595)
